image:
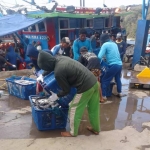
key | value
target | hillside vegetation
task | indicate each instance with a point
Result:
(130, 21)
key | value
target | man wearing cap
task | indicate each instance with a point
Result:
(80, 42)
(94, 39)
(121, 45)
(63, 48)
(110, 50)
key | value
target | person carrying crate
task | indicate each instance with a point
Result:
(70, 73)
(110, 50)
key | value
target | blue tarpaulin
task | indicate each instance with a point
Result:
(13, 23)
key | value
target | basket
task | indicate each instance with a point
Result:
(19, 90)
(50, 119)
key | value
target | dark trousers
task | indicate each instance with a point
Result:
(114, 71)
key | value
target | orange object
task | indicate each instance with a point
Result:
(144, 73)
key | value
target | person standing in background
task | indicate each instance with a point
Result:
(80, 42)
(12, 57)
(94, 38)
(110, 50)
(121, 45)
(63, 48)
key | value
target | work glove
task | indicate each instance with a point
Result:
(14, 66)
(53, 97)
(23, 65)
(40, 78)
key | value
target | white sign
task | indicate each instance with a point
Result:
(36, 37)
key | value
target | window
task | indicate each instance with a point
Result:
(64, 24)
(26, 29)
(63, 33)
(41, 26)
(117, 21)
(106, 22)
(33, 28)
(89, 23)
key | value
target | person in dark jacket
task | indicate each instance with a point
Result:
(32, 52)
(121, 45)
(12, 57)
(94, 40)
(3, 62)
(70, 73)
(91, 61)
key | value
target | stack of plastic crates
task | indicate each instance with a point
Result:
(19, 90)
(57, 117)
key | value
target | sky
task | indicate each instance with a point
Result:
(88, 3)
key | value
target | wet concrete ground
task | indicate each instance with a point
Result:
(132, 110)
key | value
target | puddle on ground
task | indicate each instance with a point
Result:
(132, 110)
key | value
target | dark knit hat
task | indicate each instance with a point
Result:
(83, 49)
(104, 38)
(83, 31)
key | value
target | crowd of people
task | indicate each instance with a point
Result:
(10, 58)
(80, 69)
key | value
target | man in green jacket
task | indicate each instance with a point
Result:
(70, 73)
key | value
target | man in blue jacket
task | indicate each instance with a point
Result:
(12, 57)
(110, 50)
(80, 42)
(63, 48)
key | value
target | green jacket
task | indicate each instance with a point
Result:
(68, 73)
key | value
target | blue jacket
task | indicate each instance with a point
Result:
(110, 50)
(12, 56)
(55, 49)
(78, 44)
(33, 52)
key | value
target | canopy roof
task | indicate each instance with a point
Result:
(13, 23)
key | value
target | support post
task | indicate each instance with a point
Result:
(141, 40)
(145, 7)
(83, 3)
(80, 3)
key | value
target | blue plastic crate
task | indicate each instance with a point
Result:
(50, 119)
(50, 84)
(109, 89)
(19, 90)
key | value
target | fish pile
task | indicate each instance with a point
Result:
(24, 82)
(44, 102)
